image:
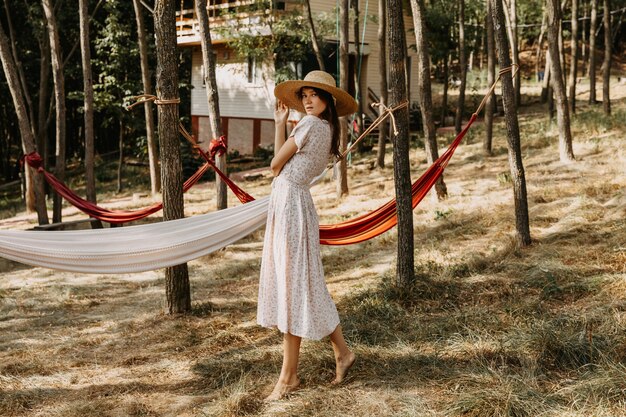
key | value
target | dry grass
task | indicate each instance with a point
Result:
(487, 330)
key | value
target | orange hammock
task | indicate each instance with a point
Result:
(376, 222)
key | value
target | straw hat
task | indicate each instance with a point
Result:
(287, 92)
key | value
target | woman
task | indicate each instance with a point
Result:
(292, 292)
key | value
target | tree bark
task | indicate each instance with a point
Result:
(405, 274)
(28, 139)
(574, 60)
(316, 46)
(606, 66)
(177, 287)
(583, 43)
(153, 154)
(44, 103)
(539, 48)
(120, 159)
(460, 107)
(490, 108)
(516, 165)
(357, 71)
(592, 51)
(425, 92)
(382, 66)
(444, 98)
(59, 98)
(85, 49)
(566, 152)
(210, 82)
(342, 177)
(545, 85)
(510, 14)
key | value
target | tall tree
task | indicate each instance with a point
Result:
(566, 152)
(460, 107)
(490, 108)
(516, 165)
(405, 274)
(510, 14)
(382, 67)
(28, 139)
(342, 177)
(314, 41)
(59, 99)
(592, 51)
(444, 93)
(606, 65)
(357, 70)
(574, 61)
(424, 91)
(539, 46)
(177, 277)
(85, 49)
(146, 79)
(215, 122)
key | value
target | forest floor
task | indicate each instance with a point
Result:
(487, 330)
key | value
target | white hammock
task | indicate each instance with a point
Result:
(134, 248)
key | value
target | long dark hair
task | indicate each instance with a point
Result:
(330, 115)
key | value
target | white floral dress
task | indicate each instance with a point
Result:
(292, 292)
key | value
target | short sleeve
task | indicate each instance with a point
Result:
(302, 131)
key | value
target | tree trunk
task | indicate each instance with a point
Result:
(153, 158)
(357, 71)
(539, 48)
(490, 108)
(44, 103)
(545, 85)
(592, 51)
(342, 177)
(405, 274)
(120, 159)
(90, 179)
(510, 14)
(316, 47)
(444, 98)
(382, 65)
(425, 93)
(176, 278)
(574, 62)
(583, 43)
(512, 127)
(210, 82)
(460, 108)
(28, 140)
(566, 152)
(606, 66)
(59, 98)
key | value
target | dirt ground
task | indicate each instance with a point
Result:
(474, 338)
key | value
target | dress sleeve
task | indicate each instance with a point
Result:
(302, 131)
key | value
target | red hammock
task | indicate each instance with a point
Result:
(111, 216)
(376, 222)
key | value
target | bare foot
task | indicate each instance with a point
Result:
(281, 390)
(343, 366)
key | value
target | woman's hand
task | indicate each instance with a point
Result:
(281, 112)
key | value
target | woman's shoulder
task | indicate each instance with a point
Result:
(310, 120)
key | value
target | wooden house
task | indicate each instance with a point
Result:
(246, 87)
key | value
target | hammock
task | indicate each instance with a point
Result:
(101, 213)
(158, 245)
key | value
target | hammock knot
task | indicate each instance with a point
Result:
(34, 160)
(218, 146)
(144, 98)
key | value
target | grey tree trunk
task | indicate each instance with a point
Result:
(539, 48)
(342, 177)
(573, 70)
(382, 66)
(316, 46)
(153, 154)
(444, 98)
(43, 105)
(460, 107)
(606, 66)
(490, 108)
(566, 152)
(510, 14)
(357, 72)
(210, 82)
(516, 165)
(405, 274)
(177, 287)
(545, 85)
(59, 98)
(592, 51)
(425, 92)
(90, 179)
(28, 139)
(583, 43)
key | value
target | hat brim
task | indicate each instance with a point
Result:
(287, 92)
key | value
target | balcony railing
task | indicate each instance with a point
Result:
(226, 14)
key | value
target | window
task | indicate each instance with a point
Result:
(252, 70)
